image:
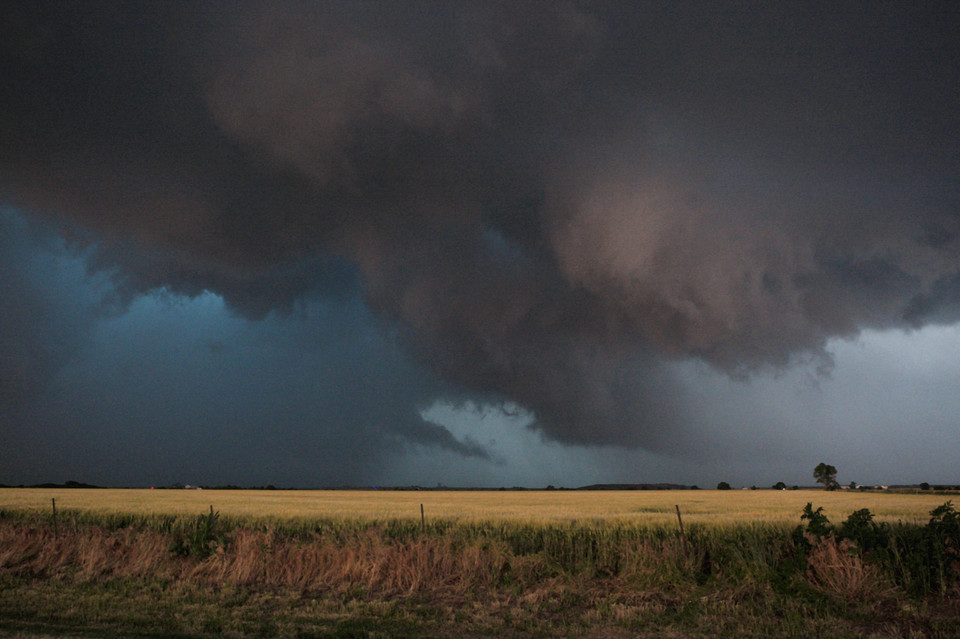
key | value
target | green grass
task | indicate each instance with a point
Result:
(134, 609)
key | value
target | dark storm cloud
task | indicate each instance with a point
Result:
(172, 390)
(546, 201)
(43, 316)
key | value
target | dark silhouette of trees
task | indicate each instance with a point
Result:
(827, 475)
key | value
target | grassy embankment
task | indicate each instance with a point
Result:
(277, 563)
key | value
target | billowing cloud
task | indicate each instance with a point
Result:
(546, 203)
(166, 389)
(44, 317)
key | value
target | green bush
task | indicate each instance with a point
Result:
(817, 523)
(920, 559)
(868, 534)
(202, 540)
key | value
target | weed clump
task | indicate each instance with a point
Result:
(922, 560)
(203, 540)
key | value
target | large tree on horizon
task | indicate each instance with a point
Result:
(827, 475)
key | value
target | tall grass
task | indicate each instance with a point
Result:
(758, 578)
(392, 558)
(403, 555)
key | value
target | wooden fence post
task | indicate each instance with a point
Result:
(683, 535)
(56, 529)
(423, 522)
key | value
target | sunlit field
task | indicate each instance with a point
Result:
(709, 507)
(277, 563)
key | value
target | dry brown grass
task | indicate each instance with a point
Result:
(446, 584)
(836, 568)
(84, 554)
(440, 566)
(369, 563)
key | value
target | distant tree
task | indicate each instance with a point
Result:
(827, 475)
(853, 485)
(723, 486)
(779, 486)
(924, 486)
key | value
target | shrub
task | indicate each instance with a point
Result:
(817, 523)
(943, 546)
(866, 533)
(203, 540)
(923, 560)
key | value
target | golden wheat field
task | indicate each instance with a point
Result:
(710, 507)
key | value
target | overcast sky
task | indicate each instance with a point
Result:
(479, 244)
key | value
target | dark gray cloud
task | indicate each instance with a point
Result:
(169, 389)
(45, 318)
(545, 203)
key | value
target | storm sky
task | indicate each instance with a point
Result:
(479, 244)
